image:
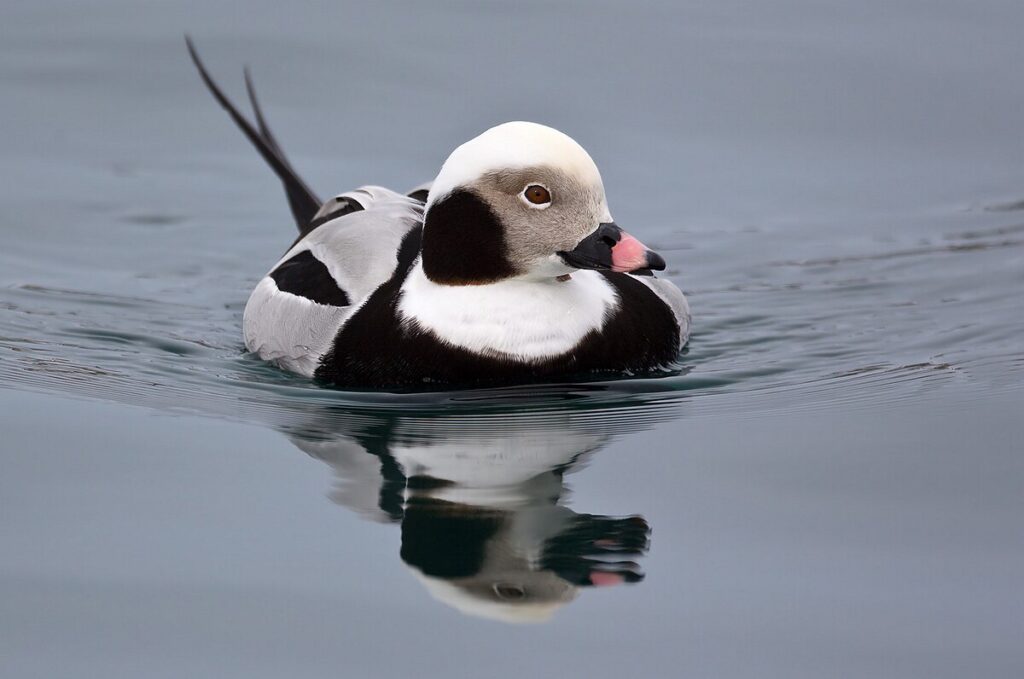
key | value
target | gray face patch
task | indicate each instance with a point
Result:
(533, 235)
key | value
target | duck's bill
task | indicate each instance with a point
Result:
(609, 247)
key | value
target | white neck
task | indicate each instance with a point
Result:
(530, 320)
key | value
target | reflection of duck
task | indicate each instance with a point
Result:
(479, 500)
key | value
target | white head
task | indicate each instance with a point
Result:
(522, 199)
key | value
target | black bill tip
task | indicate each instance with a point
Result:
(655, 262)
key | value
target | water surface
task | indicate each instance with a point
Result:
(831, 484)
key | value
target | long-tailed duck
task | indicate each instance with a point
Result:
(507, 267)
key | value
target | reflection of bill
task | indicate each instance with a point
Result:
(479, 504)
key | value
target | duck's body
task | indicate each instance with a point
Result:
(476, 281)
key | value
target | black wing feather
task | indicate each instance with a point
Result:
(303, 202)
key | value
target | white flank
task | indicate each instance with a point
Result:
(290, 331)
(529, 320)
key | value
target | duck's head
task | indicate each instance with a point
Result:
(522, 200)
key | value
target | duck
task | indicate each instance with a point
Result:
(507, 268)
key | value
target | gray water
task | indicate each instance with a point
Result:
(830, 486)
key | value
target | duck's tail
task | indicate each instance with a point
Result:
(303, 202)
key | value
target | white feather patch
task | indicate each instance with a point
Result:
(290, 331)
(525, 319)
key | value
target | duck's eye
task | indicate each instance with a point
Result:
(537, 195)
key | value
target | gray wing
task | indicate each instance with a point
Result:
(298, 308)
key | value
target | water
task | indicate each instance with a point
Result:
(831, 485)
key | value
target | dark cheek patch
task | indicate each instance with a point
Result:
(306, 276)
(446, 540)
(463, 242)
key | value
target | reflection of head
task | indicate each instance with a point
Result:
(516, 564)
(467, 557)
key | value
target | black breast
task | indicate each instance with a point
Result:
(374, 350)
(642, 335)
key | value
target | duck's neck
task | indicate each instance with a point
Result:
(529, 320)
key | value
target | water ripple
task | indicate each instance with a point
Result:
(793, 335)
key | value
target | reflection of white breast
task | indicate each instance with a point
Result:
(492, 467)
(500, 470)
(527, 319)
(494, 461)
